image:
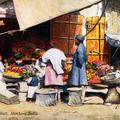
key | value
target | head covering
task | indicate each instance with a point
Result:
(80, 38)
(36, 50)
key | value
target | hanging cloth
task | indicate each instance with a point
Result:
(113, 39)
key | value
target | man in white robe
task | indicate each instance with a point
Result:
(54, 69)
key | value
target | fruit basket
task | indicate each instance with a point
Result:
(110, 80)
(11, 79)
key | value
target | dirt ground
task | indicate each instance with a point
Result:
(61, 111)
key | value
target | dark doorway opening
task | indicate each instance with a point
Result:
(34, 37)
(115, 57)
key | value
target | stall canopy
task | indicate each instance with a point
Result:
(33, 12)
(113, 39)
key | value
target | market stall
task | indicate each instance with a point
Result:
(22, 45)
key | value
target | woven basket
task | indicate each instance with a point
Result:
(112, 81)
(11, 79)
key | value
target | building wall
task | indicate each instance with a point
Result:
(113, 16)
(95, 10)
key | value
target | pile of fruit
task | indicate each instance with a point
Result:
(12, 74)
(27, 71)
(18, 72)
(92, 75)
(13, 71)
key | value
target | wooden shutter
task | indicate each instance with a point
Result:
(63, 30)
(97, 48)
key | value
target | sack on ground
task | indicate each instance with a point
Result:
(112, 96)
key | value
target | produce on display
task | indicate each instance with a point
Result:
(18, 72)
(94, 80)
(92, 76)
(12, 74)
(27, 71)
(13, 71)
(102, 70)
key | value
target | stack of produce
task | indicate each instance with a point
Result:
(102, 70)
(27, 71)
(13, 71)
(92, 76)
(18, 72)
(96, 70)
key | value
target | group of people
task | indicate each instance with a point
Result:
(54, 61)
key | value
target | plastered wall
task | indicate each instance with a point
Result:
(113, 16)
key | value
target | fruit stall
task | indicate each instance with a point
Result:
(14, 71)
(21, 45)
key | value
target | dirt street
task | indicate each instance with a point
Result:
(61, 111)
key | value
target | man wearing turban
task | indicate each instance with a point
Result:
(78, 76)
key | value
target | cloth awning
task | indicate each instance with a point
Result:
(113, 39)
(33, 12)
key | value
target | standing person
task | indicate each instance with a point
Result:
(54, 59)
(40, 66)
(38, 71)
(78, 76)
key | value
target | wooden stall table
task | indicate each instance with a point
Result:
(96, 90)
